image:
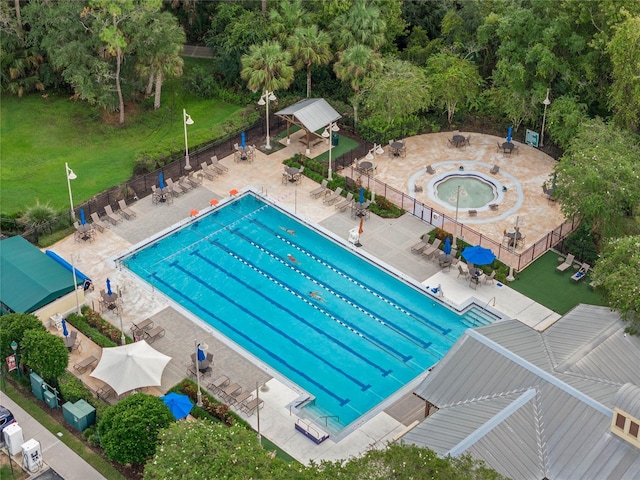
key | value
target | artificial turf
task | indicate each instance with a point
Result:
(541, 282)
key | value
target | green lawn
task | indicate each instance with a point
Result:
(38, 135)
(541, 282)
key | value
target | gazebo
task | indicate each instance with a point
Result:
(310, 114)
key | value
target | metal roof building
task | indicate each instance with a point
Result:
(311, 114)
(536, 405)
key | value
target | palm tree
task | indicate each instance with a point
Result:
(287, 18)
(310, 46)
(267, 66)
(362, 24)
(353, 65)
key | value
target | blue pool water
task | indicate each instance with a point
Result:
(331, 322)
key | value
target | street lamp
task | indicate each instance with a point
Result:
(546, 102)
(377, 149)
(70, 176)
(329, 129)
(511, 278)
(186, 119)
(267, 97)
(199, 346)
(455, 225)
(14, 347)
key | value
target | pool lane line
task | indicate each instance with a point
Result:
(301, 319)
(347, 299)
(278, 359)
(410, 313)
(381, 345)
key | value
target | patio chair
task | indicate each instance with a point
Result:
(430, 170)
(208, 172)
(419, 247)
(77, 346)
(450, 143)
(104, 392)
(333, 197)
(433, 248)
(490, 278)
(174, 187)
(153, 334)
(125, 210)
(250, 407)
(113, 218)
(467, 140)
(473, 213)
(342, 205)
(580, 274)
(99, 224)
(495, 169)
(566, 264)
(499, 147)
(219, 383)
(462, 270)
(82, 366)
(320, 190)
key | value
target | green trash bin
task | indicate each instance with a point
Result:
(335, 139)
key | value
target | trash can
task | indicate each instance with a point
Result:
(335, 139)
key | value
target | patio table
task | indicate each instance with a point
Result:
(459, 140)
(396, 148)
(507, 147)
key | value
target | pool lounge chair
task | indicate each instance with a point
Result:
(250, 406)
(174, 187)
(342, 205)
(125, 210)
(151, 335)
(433, 248)
(219, 383)
(208, 172)
(580, 274)
(113, 218)
(419, 247)
(333, 197)
(82, 366)
(566, 264)
(320, 190)
(97, 223)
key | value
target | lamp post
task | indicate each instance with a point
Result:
(455, 225)
(70, 176)
(546, 102)
(14, 347)
(328, 131)
(199, 346)
(75, 284)
(377, 149)
(267, 97)
(123, 340)
(511, 278)
(187, 120)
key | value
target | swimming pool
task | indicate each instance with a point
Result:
(326, 319)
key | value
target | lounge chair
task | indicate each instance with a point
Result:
(320, 190)
(145, 324)
(174, 187)
(490, 278)
(219, 383)
(342, 205)
(333, 197)
(113, 218)
(185, 183)
(99, 224)
(126, 211)
(419, 247)
(82, 366)
(215, 164)
(105, 392)
(433, 248)
(473, 213)
(566, 264)
(153, 334)
(250, 407)
(495, 169)
(580, 274)
(430, 170)
(208, 172)
(462, 270)
(195, 180)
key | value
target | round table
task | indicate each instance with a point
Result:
(458, 140)
(366, 166)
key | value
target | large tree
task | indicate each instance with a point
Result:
(617, 274)
(353, 66)
(44, 353)
(597, 178)
(129, 429)
(13, 328)
(362, 24)
(286, 18)
(310, 46)
(267, 67)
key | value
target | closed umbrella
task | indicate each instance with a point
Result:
(82, 219)
(65, 331)
(131, 366)
(180, 405)
(243, 141)
(361, 194)
(108, 287)
(447, 246)
(201, 355)
(509, 134)
(161, 181)
(478, 255)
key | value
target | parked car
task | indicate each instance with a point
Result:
(6, 418)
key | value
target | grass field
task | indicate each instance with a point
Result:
(541, 282)
(38, 135)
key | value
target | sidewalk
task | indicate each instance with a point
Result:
(56, 455)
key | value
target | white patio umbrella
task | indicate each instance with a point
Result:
(131, 366)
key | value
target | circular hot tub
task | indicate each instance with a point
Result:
(474, 192)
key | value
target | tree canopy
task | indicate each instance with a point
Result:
(44, 353)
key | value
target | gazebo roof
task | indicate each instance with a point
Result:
(312, 114)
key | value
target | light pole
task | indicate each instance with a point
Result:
(328, 131)
(267, 97)
(75, 284)
(14, 347)
(511, 278)
(546, 102)
(187, 120)
(377, 149)
(455, 225)
(70, 176)
(199, 346)
(123, 340)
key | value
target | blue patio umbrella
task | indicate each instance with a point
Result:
(447, 246)
(65, 332)
(201, 355)
(161, 181)
(108, 287)
(82, 219)
(179, 405)
(478, 255)
(509, 134)
(361, 194)
(243, 141)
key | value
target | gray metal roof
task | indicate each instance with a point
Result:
(536, 404)
(311, 113)
(628, 399)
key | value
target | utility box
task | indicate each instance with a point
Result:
(50, 399)
(335, 139)
(32, 455)
(13, 438)
(37, 385)
(80, 414)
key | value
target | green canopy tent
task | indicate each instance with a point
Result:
(29, 279)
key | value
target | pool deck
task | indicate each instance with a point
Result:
(389, 240)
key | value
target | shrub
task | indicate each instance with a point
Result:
(582, 244)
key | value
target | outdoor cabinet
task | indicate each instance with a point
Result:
(80, 414)
(37, 387)
(50, 399)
